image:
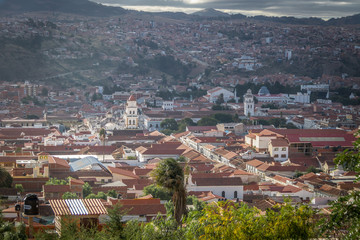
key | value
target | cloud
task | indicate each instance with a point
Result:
(306, 8)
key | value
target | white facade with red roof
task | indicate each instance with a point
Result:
(279, 149)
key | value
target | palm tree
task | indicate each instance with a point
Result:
(170, 175)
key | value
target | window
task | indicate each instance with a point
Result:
(235, 194)
(276, 149)
(283, 155)
(283, 149)
(276, 155)
(223, 194)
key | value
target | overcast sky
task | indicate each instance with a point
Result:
(298, 8)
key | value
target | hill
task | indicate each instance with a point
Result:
(350, 20)
(210, 12)
(81, 7)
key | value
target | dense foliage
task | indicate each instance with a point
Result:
(5, 178)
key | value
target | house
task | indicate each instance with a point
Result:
(226, 187)
(85, 212)
(56, 191)
(214, 94)
(141, 209)
(164, 150)
(279, 149)
(302, 140)
(120, 174)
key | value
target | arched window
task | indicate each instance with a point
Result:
(235, 194)
(223, 194)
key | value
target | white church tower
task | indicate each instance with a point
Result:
(249, 104)
(131, 114)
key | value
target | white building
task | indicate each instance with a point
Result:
(279, 149)
(131, 114)
(249, 104)
(213, 94)
(300, 97)
(229, 188)
(168, 105)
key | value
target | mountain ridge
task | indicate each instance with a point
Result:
(80, 7)
(90, 8)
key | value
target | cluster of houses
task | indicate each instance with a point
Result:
(225, 162)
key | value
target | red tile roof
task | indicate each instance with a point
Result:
(132, 98)
(122, 172)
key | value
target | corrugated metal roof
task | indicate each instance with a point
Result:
(77, 207)
(83, 163)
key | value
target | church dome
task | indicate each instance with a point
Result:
(263, 91)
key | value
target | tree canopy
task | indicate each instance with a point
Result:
(5, 178)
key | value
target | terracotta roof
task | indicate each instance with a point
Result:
(254, 163)
(142, 171)
(141, 206)
(331, 190)
(262, 204)
(77, 207)
(241, 172)
(279, 142)
(122, 172)
(74, 181)
(205, 195)
(132, 98)
(251, 187)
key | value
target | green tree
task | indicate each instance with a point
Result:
(19, 188)
(8, 231)
(223, 117)
(313, 170)
(115, 225)
(167, 132)
(220, 99)
(181, 159)
(170, 124)
(44, 91)
(226, 220)
(112, 193)
(99, 195)
(157, 192)
(170, 175)
(344, 220)
(5, 178)
(55, 181)
(87, 189)
(207, 121)
(69, 195)
(184, 123)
